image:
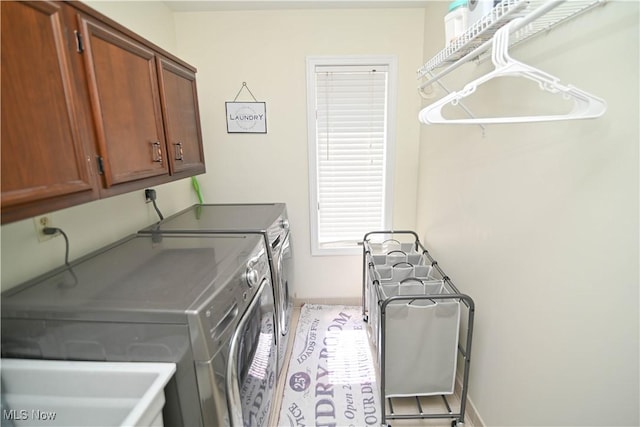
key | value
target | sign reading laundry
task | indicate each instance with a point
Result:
(246, 117)
(331, 377)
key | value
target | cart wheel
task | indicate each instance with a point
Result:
(455, 423)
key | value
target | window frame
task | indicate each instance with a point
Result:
(389, 61)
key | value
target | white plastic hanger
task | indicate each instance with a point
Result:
(586, 106)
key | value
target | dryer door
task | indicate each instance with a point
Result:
(251, 372)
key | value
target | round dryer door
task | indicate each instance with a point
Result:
(251, 372)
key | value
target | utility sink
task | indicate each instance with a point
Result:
(69, 393)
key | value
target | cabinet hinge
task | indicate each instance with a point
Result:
(100, 165)
(79, 42)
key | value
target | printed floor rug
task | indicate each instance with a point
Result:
(331, 378)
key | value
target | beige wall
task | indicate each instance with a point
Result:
(98, 223)
(539, 223)
(267, 50)
(150, 19)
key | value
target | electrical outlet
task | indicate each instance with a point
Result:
(149, 195)
(40, 222)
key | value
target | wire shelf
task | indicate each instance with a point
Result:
(539, 16)
(563, 11)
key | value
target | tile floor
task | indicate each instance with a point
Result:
(432, 404)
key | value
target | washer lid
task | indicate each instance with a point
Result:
(141, 278)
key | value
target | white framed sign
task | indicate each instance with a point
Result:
(246, 117)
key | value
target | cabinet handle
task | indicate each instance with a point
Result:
(178, 151)
(156, 152)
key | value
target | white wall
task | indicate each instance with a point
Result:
(539, 224)
(150, 19)
(93, 225)
(267, 50)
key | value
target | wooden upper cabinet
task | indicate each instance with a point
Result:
(89, 109)
(43, 156)
(125, 98)
(181, 118)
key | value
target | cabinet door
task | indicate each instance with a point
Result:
(123, 85)
(43, 157)
(181, 118)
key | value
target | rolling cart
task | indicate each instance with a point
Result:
(420, 325)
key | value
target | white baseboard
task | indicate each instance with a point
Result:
(471, 415)
(328, 301)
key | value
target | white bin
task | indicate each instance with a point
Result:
(391, 273)
(404, 271)
(421, 340)
(391, 245)
(456, 22)
(386, 257)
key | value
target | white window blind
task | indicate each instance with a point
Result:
(350, 152)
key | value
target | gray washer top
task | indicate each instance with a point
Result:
(223, 218)
(140, 278)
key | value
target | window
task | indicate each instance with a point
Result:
(351, 110)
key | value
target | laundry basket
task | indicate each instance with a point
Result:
(387, 257)
(419, 324)
(391, 273)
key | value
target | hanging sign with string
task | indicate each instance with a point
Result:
(246, 117)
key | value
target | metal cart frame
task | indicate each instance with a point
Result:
(464, 352)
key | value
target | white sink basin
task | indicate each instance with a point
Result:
(69, 393)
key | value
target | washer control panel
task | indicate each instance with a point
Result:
(257, 267)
